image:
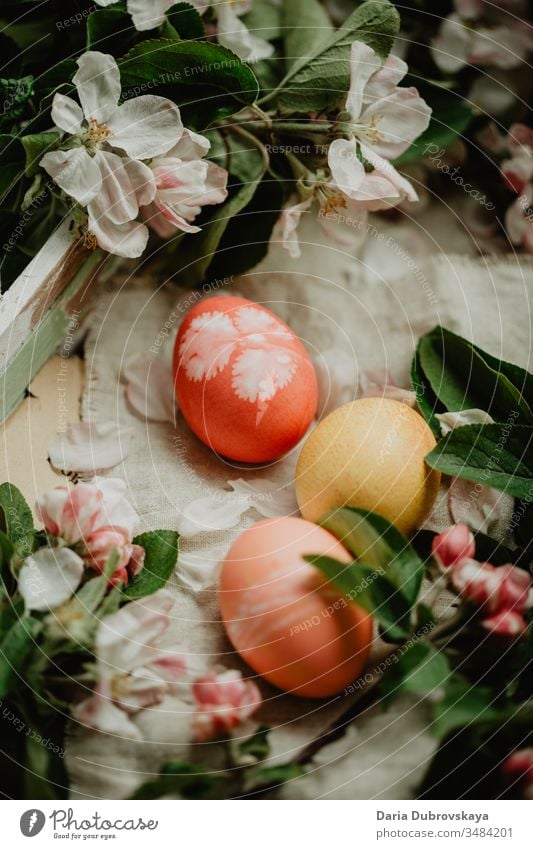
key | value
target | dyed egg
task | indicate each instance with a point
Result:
(286, 621)
(244, 382)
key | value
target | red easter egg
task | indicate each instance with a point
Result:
(244, 382)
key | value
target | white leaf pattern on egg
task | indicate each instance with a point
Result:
(207, 345)
(263, 364)
(258, 373)
(252, 320)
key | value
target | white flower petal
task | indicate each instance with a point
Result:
(363, 63)
(148, 14)
(190, 146)
(150, 388)
(98, 83)
(399, 119)
(386, 169)
(267, 497)
(49, 577)
(85, 447)
(384, 81)
(449, 421)
(145, 126)
(235, 35)
(212, 513)
(75, 172)
(116, 196)
(142, 180)
(100, 713)
(199, 569)
(346, 168)
(116, 509)
(128, 240)
(286, 230)
(66, 114)
(482, 508)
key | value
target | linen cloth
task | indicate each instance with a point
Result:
(367, 311)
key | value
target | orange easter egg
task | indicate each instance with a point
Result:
(244, 382)
(286, 621)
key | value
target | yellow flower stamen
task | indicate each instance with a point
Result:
(97, 132)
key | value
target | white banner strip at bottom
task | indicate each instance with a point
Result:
(256, 825)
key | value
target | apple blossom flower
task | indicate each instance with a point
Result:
(494, 588)
(99, 166)
(384, 121)
(479, 34)
(453, 545)
(49, 577)
(286, 229)
(223, 700)
(133, 673)
(97, 520)
(185, 182)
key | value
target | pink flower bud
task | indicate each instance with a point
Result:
(100, 545)
(453, 545)
(71, 513)
(223, 700)
(506, 623)
(497, 589)
(518, 769)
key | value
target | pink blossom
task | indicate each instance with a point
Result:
(223, 700)
(133, 673)
(453, 545)
(496, 589)
(506, 623)
(71, 513)
(185, 182)
(97, 520)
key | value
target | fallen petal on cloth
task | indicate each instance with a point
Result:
(268, 497)
(199, 569)
(88, 448)
(217, 512)
(480, 507)
(150, 388)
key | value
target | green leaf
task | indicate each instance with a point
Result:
(186, 21)
(321, 80)
(7, 550)
(110, 31)
(161, 554)
(178, 778)
(378, 544)
(274, 776)
(306, 25)
(35, 147)
(11, 163)
(246, 238)
(463, 705)
(497, 455)
(420, 669)
(258, 745)
(14, 94)
(203, 78)
(15, 648)
(450, 118)
(463, 377)
(264, 19)
(16, 519)
(426, 399)
(368, 588)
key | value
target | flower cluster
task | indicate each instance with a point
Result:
(517, 172)
(109, 160)
(223, 700)
(501, 593)
(380, 121)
